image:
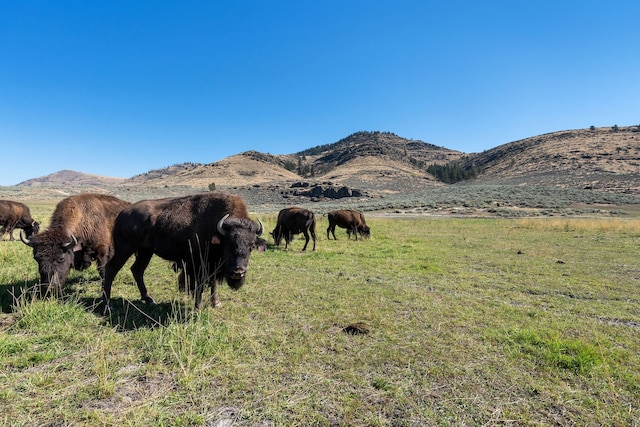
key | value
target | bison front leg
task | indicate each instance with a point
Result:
(111, 269)
(143, 257)
(215, 301)
(105, 253)
(196, 282)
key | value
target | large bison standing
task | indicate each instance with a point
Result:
(353, 221)
(16, 215)
(208, 236)
(79, 232)
(295, 221)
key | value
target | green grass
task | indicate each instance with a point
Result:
(472, 322)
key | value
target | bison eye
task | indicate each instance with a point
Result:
(60, 260)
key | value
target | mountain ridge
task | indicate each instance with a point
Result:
(595, 158)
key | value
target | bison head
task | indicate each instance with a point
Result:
(236, 238)
(54, 253)
(32, 229)
(277, 235)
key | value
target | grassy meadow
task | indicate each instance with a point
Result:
(462, 322)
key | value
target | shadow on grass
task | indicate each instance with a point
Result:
(15, 291)
(12, 292)
(125, 315)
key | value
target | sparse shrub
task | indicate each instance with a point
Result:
(212, 186)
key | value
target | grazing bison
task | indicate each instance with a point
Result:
(295, 221)
(79, 232)
(353, 221)
(16, 215)
(208, 237)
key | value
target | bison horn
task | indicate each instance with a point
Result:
(73, 242)
(261, 229)
(25, 240)
(220, 229)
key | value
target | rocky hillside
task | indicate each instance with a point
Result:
(375, 160)
(598, 158)
(365, 159)
(384, 145)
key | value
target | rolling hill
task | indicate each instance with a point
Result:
(71, 178)
(246, 168)
(606, 159)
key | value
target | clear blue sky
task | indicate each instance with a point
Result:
(118, 88)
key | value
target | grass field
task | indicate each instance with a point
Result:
(464, 321)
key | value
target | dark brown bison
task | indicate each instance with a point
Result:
(79, 232)
(293, 221)
(16, 215)
(353, 221)
(208, 237)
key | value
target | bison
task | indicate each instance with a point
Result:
(353, 221)
(295, 221)
(79, 232)
(16, 215)
(209, 237)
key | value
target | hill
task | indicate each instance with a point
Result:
(371, 160)
(376, 160)
(246, 168)
(71, 178)
(605, 159)
(378, 170)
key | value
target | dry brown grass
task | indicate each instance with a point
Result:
(582, 224)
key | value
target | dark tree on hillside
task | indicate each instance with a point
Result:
(289, 165)
(452, 172)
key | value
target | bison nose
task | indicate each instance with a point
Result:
(238, 273)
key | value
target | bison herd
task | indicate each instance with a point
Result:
(209, 238)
